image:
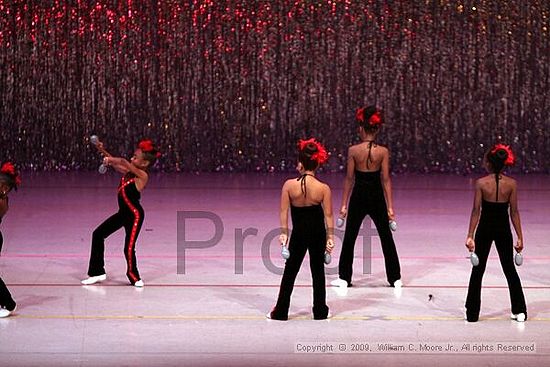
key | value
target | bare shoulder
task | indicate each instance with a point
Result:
(142, 174)
(288, 183)
(483, 181)
(320, 185)
(383, 149)
(353, 149)
(326, 187)
(478, 184)
(510, 181)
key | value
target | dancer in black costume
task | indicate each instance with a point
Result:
(494, 194)
(312, 229)
(9, 179)
(130, 214)
(368, 164)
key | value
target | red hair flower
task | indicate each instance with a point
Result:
(320, 156)
(360, 115)
(510, 159)
(375, 119)
(9, 169)
(146, 145)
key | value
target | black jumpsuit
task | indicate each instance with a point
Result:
(130, 216)
(494, 225)
(6, 299)
(367, 197)
(308, 234)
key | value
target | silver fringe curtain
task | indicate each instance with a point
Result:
(231, 85)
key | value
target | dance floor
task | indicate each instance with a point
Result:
(204, 302)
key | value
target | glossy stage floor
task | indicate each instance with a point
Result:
(214, 314)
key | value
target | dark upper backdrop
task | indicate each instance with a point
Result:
(231, 85)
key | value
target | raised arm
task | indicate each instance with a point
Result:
(123, 166)
(329, 218)
(283, 213)
(474, 218)
(386, 183)
(119, 164)
(348, 183)
(514, 216)
(101, 148)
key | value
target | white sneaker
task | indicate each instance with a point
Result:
(520, 317)
(339, 283)
(139, 284)
(398, 283)
(4, 312)
(93, 280)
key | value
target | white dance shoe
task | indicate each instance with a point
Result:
(93, 280)
(520, 317)
(339, 283)
(5, 313)
(139, 284)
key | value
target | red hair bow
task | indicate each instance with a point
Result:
(375, 119)
(360, 115)
(320, 156)
(146, 145)
(510, 159)
(9, 169)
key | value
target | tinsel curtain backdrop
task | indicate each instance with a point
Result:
(231, 85)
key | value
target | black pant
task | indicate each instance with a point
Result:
(132, 225)
(363, 202)
(316, 262)
(6, 300)
(485, 235)
(308, 235)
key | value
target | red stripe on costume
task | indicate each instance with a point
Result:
(132, 241)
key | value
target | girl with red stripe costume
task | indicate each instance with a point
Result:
(9, 179)
(130, 214)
